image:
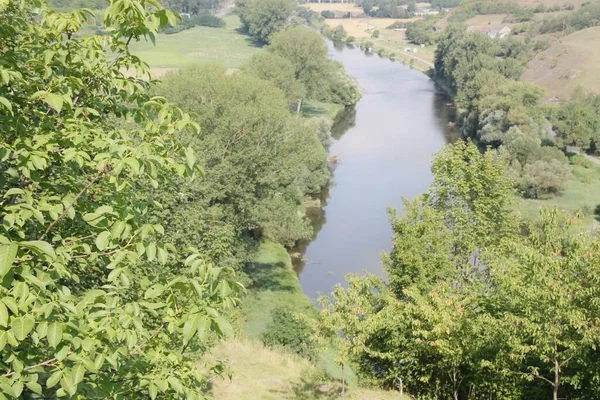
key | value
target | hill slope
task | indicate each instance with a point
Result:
(570, 62)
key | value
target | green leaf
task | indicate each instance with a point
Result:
(53, 379)
(55, 333)
(6, 104)
(8, 253)
(34, 387)
(21, 326)
(78, 373)
(151, 251)
(40, 246)
(224, 326)
(190, 327)
(54, 100)
(102, 240)
(152, 391)
(175, 384)
(3, 315)
(154, 291)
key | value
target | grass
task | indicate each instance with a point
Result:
(274, 284)
(261, 373)
(572, 61)
(582, 194)
(199, 45)
(313, 108)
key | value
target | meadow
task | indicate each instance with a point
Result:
(200, 45)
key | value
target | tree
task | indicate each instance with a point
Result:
(323, 79)
(277, 70)
(259, 159)
(547, 288)
(263, 18)
(544, 179)
(94, 303)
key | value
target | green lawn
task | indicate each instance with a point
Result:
(225, 46)
(582, 194)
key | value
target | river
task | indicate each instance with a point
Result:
(384, 149)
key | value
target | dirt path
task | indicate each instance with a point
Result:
(430, 65)
(577, 150)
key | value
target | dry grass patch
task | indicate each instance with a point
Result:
(261, 373)
(570, 62)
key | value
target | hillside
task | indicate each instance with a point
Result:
(572, 61)
(260, 373)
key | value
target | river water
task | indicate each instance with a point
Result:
(384, 149)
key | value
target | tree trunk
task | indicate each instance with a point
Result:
(454, 385)
(343, 383)
(556, 380)
(298, 106)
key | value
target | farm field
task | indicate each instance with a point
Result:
(345, 7)
(224, 46)
(362, 27)
(571, 61)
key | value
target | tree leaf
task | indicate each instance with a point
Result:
(8, 253)
(190, 327)
(21, 326)
(78, 373)
(40, 246)
(54, 100)
(3, 315)
(151, 251)
(53, 379)
(55, 333)
(102, 240)
(6, 104)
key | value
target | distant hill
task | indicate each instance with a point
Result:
(571, 61)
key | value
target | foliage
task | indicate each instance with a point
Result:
(323, 79)
(588, 15)
(192, 7)
(259, 160)
(263, 18)
(474, 308)
(95, 301)
(289, 331)
(577, 122)
(544, 178)
(277, 70)
(204, 19)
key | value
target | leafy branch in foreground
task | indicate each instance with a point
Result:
(93, 302)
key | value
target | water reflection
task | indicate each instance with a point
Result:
(384, 147)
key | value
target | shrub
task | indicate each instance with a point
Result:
(290, 332)
(196, 20)
(327, 14)
(375, 34)
(579, 159)
(350, 39)
(544, 179)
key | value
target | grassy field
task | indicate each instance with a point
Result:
(225, 46)
(571, 61)
(582, 194)
(344, 7)
(260, 373)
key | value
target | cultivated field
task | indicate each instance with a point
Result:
(363, 27)
(344, 7)
(571, 61)
(224, 46)
(551, 3)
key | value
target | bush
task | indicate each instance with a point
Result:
(579, 159)
(196, 20)
(350, 39)
(375, 34)
(544, 179)
(290, 332)
(327, 14)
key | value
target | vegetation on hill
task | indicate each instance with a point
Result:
(263, 18)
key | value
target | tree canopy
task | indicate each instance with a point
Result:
(96, 302)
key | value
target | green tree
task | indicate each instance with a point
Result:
(547, 289)
(277, 70)
(94, 303)
(323, 79)
(263, 18)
